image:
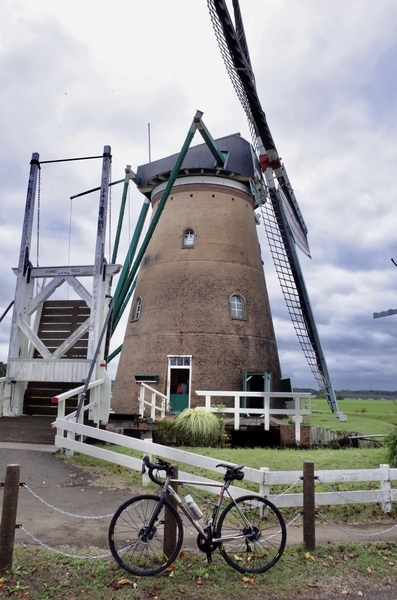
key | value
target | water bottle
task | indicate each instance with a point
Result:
(194, 509)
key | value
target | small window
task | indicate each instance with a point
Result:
(179, 361)
(237, 307)
(188, 238)
(137, 310)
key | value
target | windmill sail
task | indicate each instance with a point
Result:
(283, 219)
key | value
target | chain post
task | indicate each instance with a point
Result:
(9, 517)
(309, 512)
(170, 523)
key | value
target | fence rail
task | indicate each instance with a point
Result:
(157, 405)
(296, 411)
(263, 478)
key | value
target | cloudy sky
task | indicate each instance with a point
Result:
(76, 76)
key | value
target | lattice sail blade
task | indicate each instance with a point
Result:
(234, 50)
(295, 296)
(283, 219)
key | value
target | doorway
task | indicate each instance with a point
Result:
(178, 383)
(255, 382)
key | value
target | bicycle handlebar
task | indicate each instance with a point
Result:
(231, 474)
(161, 465)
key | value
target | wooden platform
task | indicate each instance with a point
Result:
(27, 429)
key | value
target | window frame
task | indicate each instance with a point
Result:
(191, 231)
(137, 309)
(233, 307)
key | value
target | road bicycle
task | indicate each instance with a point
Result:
(146, 532)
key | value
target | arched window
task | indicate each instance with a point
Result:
(188, 238)
(237, 307)
(137, 309)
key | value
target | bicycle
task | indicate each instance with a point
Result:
(249, 532)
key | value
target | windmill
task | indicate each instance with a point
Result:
(283, 220)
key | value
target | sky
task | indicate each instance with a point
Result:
(77, 76)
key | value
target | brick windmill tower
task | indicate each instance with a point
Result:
(200, 317)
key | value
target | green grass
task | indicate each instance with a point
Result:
(274, 459)
(385, 407)
(367, 417)
(38, 574)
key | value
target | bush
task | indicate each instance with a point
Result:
(391, 444)
(198, 427)
(165, 433)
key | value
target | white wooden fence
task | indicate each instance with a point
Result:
(296, 411)
(157, 404)
(263, 478)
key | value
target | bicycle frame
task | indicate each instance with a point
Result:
(211, 523)
(249, 531)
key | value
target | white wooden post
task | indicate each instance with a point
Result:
(23, 290)
(162, 414)
(99, 283)
(153, 407)
(267, 412)
(385, 488)
(236, 413)
(264, 488)
(207, 402)
(142, 401)
(298, 419)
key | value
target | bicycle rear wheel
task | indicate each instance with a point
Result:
(253, 532)
(138, 549)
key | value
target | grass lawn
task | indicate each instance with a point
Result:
(367, 417)
(358, 570)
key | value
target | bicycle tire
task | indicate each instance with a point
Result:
(137, 550)
(261, 543)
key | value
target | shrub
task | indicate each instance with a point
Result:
(165, 433)
(199, 427)
(391, 444)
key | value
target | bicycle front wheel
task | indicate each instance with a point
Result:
(253, 534)
(138, 548)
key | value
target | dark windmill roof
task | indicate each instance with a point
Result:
(239, 164)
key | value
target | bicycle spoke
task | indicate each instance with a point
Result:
(256, 546)
(136, 547)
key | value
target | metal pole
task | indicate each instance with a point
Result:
(8, 517)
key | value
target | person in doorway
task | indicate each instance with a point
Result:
(182, 388)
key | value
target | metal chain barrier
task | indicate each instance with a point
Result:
(299, 480)
(354, 532)
(295, 518)
(387, 497)
(62, 553)
(63, 512)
